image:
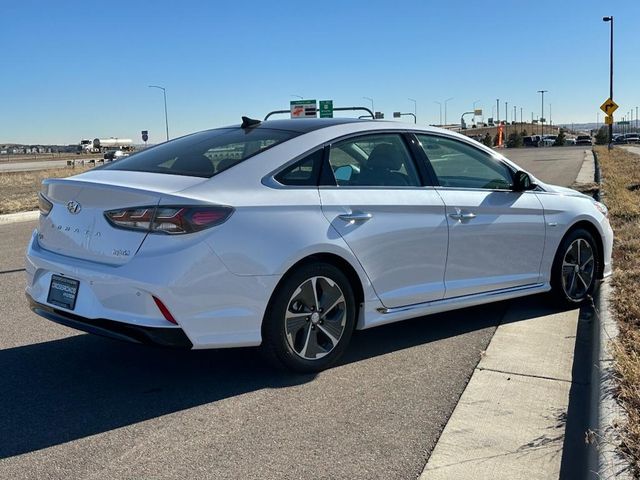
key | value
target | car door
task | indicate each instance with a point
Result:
(496, 235)
(393, 223)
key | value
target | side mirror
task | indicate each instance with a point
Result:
(343, 173)
(522, 181)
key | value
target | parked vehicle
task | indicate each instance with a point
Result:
(548, 140)
(569, 141)
(291, 234)
(532, 141)
(632, 138)
(584, 140)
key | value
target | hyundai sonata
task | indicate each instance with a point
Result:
(291, 234)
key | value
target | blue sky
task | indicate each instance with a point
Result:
(75, 69)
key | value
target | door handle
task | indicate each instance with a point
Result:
(356, 217)
(462, 216)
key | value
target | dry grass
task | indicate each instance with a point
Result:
(621, 176)
(20, 189)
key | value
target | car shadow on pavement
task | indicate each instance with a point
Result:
(63, 390)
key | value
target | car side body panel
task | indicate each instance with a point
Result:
(402, 246)
(501, 246)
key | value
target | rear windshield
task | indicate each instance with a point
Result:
(203, 154)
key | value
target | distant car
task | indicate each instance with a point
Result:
(584, 140)
(549, 140)
(632, 138)
(111, 155)
(570, 141)
(532, 141)
(619, 139)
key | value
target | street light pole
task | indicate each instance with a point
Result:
(445, 109)
(439, 103)
(506, 118)
(299, 96)
(371, 100)
(521, 119)
(415, 109)
(166, 118)
(542, 114)
(610, 19)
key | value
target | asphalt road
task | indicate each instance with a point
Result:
(557, 165)
(632, 149)
(36, 165)
(78, 406)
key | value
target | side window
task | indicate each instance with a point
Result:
(457, 164)
(373, 161)
(304, 172)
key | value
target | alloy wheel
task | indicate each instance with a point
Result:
(315, 318)
(578, 269)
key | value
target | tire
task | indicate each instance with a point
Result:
(308, 333)
(576, 268)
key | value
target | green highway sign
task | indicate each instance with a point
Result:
(624, 122)
(326, 108)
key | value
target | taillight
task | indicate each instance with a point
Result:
(169, 219)
(44, 205)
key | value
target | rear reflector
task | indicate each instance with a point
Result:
(169, 219)
(164, 310)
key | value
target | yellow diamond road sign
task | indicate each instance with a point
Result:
(609, 106)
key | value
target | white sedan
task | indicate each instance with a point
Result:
(291, 234)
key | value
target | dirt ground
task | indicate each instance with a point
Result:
(18, 190)
(621, 193)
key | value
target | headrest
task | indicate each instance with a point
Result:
(385, 156)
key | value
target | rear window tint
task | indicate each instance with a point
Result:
(304, 172)
(203, 154)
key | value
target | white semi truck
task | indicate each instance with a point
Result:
(100, 145)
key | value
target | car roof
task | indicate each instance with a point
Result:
(304, 125)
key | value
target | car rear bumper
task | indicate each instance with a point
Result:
(212, 307)
(166, 337)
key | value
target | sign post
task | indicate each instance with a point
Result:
(609, 106)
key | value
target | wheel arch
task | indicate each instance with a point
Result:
(597, 236)
(336, 260)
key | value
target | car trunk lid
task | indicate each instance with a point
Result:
(76, 226)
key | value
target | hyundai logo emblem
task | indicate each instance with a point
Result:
(74, 207)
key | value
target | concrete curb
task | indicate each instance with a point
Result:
(19, 217)
(604, 460)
